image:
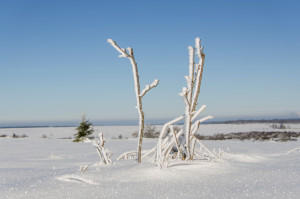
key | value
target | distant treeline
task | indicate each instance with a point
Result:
(290, 121)
(278, 136)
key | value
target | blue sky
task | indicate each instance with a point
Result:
(56, 64)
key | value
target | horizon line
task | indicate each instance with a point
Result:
(133, 122)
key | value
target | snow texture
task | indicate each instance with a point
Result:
(36, 167)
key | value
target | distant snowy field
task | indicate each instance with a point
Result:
(45, 166)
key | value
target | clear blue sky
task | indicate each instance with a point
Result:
(56, 64)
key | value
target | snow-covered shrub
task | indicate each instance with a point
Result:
(68, 138)
(19, 136)
(149, 132)
(181, 144)
(135, 134)
(184, 141)
(279, 126)
(83, 130)
(103, 153)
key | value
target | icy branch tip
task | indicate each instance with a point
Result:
(203, 106)
(206, 118)
(198, 43)
(148, 87)
(110, 41)
(210, 117)
(184, 92)
(155, 82)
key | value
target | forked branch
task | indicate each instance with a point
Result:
(130, 55)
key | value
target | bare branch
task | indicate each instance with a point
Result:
(196, 125)
(102, 152)
(207, 150)
(122, 51)
(129, 54)
(176, 140)
(199, 72)
(148, 87)
(184, 95)
(196, 113)
(191, 72)
(198, 46)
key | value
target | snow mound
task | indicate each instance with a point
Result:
(76, 179)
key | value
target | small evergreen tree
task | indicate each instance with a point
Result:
(83, 130)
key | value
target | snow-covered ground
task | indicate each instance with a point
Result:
(49, 167)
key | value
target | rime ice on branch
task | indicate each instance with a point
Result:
(103, 153)
(182, 144)
(128, 53)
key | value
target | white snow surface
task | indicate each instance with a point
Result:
(36, 167)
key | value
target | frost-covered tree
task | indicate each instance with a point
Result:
(191, 92)
(128, 53)
(174, 143)
(83, 130)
